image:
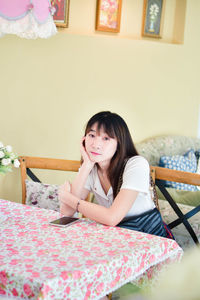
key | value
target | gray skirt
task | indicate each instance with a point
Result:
(149, 222)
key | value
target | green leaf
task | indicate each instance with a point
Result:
(5, 169)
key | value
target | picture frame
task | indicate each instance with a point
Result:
(152, 16)
(61, 14)
(108, 15)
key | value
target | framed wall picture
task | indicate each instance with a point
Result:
(108, 15)
(61, 14)
(152, 18)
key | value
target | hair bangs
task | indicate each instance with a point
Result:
(103, 124)
(106, 126)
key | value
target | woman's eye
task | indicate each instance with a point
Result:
(106, 138)
(91, 135)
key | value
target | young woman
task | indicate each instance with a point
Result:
(119, 178)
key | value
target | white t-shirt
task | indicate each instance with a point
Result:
(135, 177)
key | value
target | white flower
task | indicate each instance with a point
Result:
(105, 5)
(8, 148)
(153, 11)
(16, 163)
(103, 19)
(6, 161)
(12, 156)
(2, 154)
(52, 10)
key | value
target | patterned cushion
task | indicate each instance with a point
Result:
(186, 162)
(153, 148)
(42, 195)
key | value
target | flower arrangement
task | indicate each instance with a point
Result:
(7, 159)
(153, 12)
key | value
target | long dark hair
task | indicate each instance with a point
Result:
(115, 127)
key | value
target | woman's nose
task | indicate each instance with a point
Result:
(97, 143)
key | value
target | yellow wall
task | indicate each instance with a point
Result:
(49, 88)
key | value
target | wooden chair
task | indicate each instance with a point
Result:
(27, 163)
(159, 174)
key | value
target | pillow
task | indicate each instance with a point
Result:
(42, 195)
(186, 163)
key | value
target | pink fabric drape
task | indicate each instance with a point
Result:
(27, 18)
(15, 9)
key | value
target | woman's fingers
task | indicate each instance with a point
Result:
(85, 155)
(82, 147)
(83, 150)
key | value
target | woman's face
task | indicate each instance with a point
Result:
(99, 146)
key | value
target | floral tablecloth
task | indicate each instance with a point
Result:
(83, 261)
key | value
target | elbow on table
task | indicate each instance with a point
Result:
(63, 212)
(112, 221)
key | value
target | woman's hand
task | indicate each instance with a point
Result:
(84, 154)
(63, 195)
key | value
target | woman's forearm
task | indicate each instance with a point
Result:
(96, 213)
(90, 210)
(109, 216)
(77, 187)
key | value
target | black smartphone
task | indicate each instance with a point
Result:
(64, 221)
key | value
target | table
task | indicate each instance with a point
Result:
(86, 260)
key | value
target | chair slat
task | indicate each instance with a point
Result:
(177, 176)
(51, 163)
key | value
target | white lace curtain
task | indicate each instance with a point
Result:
(29, 19)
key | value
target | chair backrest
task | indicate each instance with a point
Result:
(159, 173)
(27, 162)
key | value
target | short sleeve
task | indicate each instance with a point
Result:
(136, 174)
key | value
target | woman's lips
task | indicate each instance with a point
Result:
(94, 153)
